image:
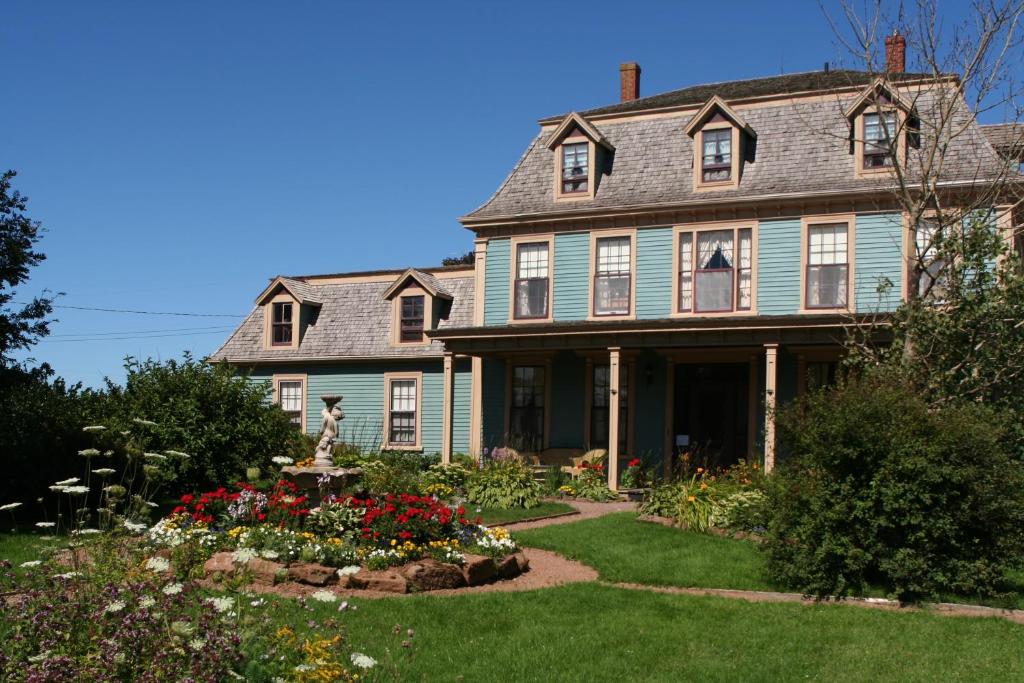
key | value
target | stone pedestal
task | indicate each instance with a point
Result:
(307, 479)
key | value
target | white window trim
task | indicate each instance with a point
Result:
(596, 235)
(277, 379)
(389, 377)
(851, 259)
(515, 243)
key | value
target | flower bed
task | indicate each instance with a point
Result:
(395, 542)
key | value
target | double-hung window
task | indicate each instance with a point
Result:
(526, 413)
(827, 265)
(575, 167)
(931, 266)
(600, 402)
(289, 396)
(412, 319)
(403, 412)
(281, 323)
(613, 276)
(532, 281)
(879, 139)
(715, 268)
(716, 159)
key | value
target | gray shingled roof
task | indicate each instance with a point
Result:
(306, 292)
(1007, 138)
(353, 322)
(802, 146)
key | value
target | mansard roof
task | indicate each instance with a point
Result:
(353, 322)
(1007, 139)
(803, 150)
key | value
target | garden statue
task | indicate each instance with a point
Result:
(332, 415)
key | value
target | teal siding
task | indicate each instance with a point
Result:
(568, 387)
(496, 273)
(649, 413)
(878, 262)
(654, 273)
(493, 400)
(572, 276)
(778, 267)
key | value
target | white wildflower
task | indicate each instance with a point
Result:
(363, 661)
(147, 602)
(68, 575)
(301, 668)
(281, 460)
(258, 603)
(269, 554)
(349, 570)
(89, 453)
(158, 564)
(76, 490)
(94, 428)
(85, 532)
(104, 471)
(324, 596)
(221, 604)
(172, 589)
(68, 482)
(178, 454)
(155, 456)
(147, 423)
(58, 489)
(151, 504)
(197, 644)
(107, 454)
(10, 506)
(135, 527)
(115, 606)
(243, 555)
(31, 563)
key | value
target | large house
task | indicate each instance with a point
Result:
(652, 275)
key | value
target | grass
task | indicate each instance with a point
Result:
(602, 633)
(622, 549)
(507, 515)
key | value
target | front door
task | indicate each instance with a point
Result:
(711, 410)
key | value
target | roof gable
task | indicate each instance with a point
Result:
(572, 122)
(303, 292)
(717, 104)
(871, 94)
(427, 281)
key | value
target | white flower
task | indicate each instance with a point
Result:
(158, 564)
(324, 596)
(115, 606)
(94, 428)
(89, 452)
(221, 604)
(269, 554)
(76, 489)
(85, 532)
(31, 563)
(304, 667)
(172, 589)
(178, 454)
(68, 482)
(281, 460)
(68, 575)
(349, 570)
(10, 506)
(139, 420)
(243, 555)
(151, 504)
(363, 661)
(155, 456)
(147, 602)
(135, 527)
(258, 603)
(197, 644)
(104, 471)
(58, 489)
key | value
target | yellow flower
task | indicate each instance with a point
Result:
(691, 498)
(703, 486)
(700, 470)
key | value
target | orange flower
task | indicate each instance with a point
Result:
(703, 486)
(700, 470)
(691, 498)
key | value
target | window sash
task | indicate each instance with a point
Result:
(932, 282)
(613, 276)
(412, 317)
(289, 397)
(575, 167)
(720, 278)
(532, 283)
(526, 409)
(716, 157)
(281, 324)
(827, 273)
(402, 414)
(879, 139)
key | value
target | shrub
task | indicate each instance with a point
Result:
(453, 476)
(380, 477)
(745, 510)
(503, 484)
(882, 489)
(592, 484)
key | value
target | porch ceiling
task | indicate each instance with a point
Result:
(660, 333)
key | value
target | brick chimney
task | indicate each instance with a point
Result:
(895, 53)
(629, 73)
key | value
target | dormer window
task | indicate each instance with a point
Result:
(879, 139)
(281, 323)
(412, 319)
(716, 164)
(575, 167)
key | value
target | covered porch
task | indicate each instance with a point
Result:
(706, 388)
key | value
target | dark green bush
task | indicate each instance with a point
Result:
(881, 489)
(503, 484)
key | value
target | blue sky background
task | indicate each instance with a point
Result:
(180, 154)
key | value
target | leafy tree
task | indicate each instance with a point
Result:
(224, 422)
(20, 327)
(467, 259)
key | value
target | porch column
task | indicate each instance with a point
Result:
(476, 407)
(771, 352)
(613, 418)
(446, 419)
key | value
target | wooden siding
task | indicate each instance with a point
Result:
(654, 273)
(778, 267)
(493, 399)
(878, 260)
(572, 276)
(496, 296)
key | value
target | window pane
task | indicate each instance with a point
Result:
(601, 399)
(290, 395)
(927, 238)
(826, 286)
(282, 313)
(826, 244)
(613, 255)
(714, 250)
(716, 158)
(744, 274)
(532, 298)
(685, 271)
(714, 290)
(412, 318)
(533, 260)
(611, 295)
(575, 167)
(402, 429)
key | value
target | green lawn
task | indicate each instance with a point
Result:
(18, 548)
(600, 633)
(505, 515)
(623, 549)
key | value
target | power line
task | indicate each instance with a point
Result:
(153, 336)
(123, 332)
(126, 310)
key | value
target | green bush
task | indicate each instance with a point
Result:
(745, 510)
(503, 484)
(592, 484)
(882, 489)
(221, 419)
(381, 477)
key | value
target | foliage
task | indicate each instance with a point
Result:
(466, 259)
(19, 234)
(592, 483)
(745, 510)
(700, 498)
(380, 478)
(223, 420)
(554, 479)
(453, 475)
(334, 518)
(883, 488)
(635, 475)
(284, 507)
(505, 483)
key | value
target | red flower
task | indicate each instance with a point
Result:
(178, 510)
(404, 535)
(635, 462)
(187, 498)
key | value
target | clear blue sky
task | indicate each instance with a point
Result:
(181, 153)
